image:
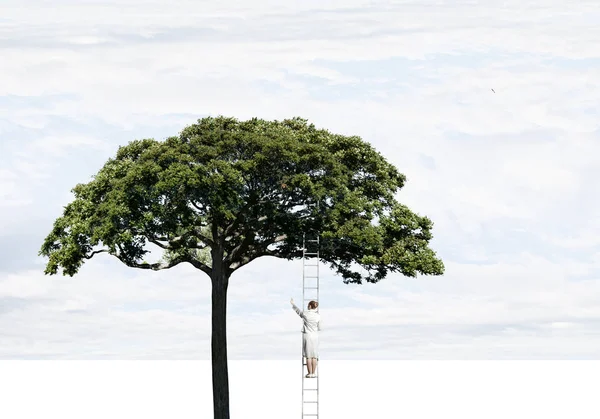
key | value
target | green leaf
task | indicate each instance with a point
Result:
(225, 192)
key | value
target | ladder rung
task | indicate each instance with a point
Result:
(306, 259)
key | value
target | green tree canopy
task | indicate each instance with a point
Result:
(251, 188)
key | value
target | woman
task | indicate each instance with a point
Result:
(310, 335)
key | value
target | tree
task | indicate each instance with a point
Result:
(226, 192)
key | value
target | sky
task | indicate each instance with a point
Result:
(509, 178)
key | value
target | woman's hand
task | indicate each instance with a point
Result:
(292, 301)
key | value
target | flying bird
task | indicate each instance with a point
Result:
(493, 91)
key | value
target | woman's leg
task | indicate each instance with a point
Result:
(309, 365)
(304, 352)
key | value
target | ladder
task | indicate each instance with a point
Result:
(310, 287)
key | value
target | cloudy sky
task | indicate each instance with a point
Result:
(509, 178)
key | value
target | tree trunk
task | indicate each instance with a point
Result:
(220, 376)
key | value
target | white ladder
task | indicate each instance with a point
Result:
(310, 285)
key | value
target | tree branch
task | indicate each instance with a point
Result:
(214, 232)
(173, 242)
(200, 265)
(252, 200)
(153, 266)
(240, 248)
(95, 253)
(257, 251)
(159, 244)
(202, 237)
(196, 206)
(236, 223)
(249, 258)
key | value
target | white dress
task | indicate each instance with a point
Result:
(310, 332)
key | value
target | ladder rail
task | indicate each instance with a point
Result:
(306, 254)
(303, 283)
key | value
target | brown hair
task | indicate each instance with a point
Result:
(312, 305)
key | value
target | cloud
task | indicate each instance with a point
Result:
(509, 178)
(470, 313)
(9, 190)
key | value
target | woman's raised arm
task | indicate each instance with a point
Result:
(296, 309)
